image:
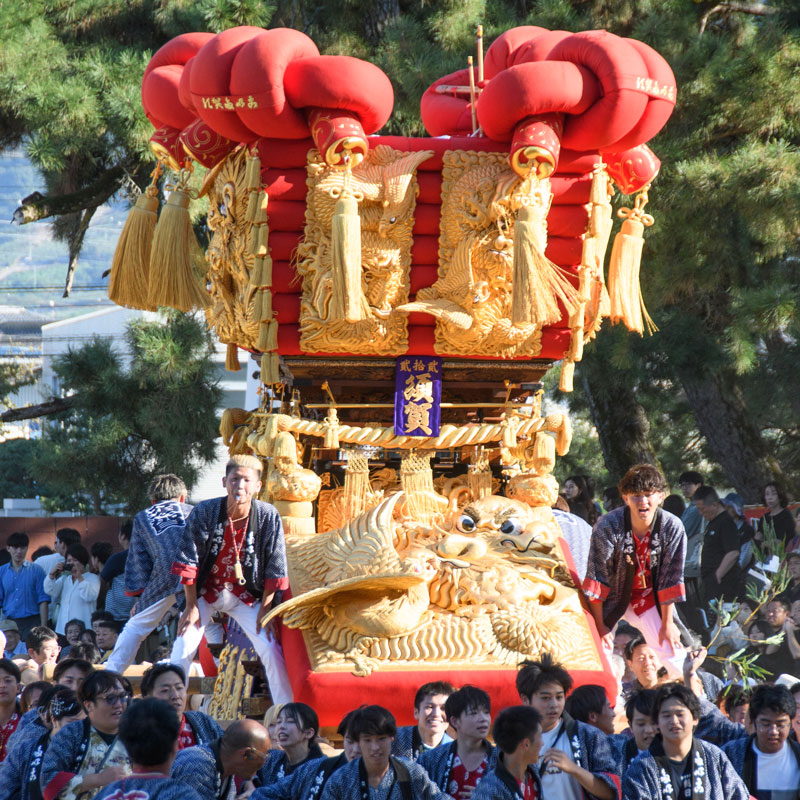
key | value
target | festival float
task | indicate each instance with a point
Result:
(403, 298)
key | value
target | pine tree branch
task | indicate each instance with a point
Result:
(37, 206)
(54, 406)
(756, 9)
(75, 245)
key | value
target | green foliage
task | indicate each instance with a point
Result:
(16, 457)
(131, 422)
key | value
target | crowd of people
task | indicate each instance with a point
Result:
(678, 725)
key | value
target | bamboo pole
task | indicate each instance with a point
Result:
(480, 54)
(472, 95)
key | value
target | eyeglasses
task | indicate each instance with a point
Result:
(115, 699)
(779, 726)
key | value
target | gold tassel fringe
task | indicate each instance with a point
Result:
(285, 446)
(331, 425)
(130, 267)
(567, 375)
(232, 358)
(538, 284)
(356, 484)
(479, 476)
(416, 478)
(270, 369)
(267, 336)
(544, 452)
(347, 299)
(177, 263)
(564, 435)
(252, 176)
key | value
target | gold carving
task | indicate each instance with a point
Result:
(385, 186)
(486, 585)
(471, 299)
(229, 261)
(292, 488)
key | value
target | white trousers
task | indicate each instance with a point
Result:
(268, 649)
(136, 630)
(649, 624)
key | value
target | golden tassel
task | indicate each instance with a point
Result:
(576, 333)
(564, 435)
(269, 431)
(262, 309)
(624, 288)
(261, 274)
(479, 476)
(270, 369)
(177, 264)
(130, 267)
(356, 484)
(416, 478)
(331, 425)
(347, 298)
(284, 446)
(232, 358)
(253, 181)
(567, 374)
(267, 336)
(544, 452)
(538, 283)
(509, 430)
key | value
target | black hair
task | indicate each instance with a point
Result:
(78, 552)
(372, 721)
(532, 675)
(515, 724)
(99, 681)
(707, 495)
(346, 725)
(690, 477)
(37, 636)
(641, 701)
(44, 550)
(674, 504)
(627, 629)
(782, 601)
(433, 688)
(679, 692)
(18, 539)
(25, 703)
(783, 498)
(302, 715)
(467, 699)
(62, 703)
(772, 698)
(584, 496)
(126, 529)
(85, 652)
(68, 536)
(736, 696)
(101, 614)
(112, 625)
(149, 729)
(75, 621)
(102, 551)
(68, 663)
(7, 665)
(585, 700)
(637, 641)
(45, 697)
(152, 674)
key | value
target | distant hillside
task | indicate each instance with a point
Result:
(30, 259)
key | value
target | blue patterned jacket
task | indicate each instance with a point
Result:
(740, 754)
(344, 783)
(150, 788)
(200, 769)
(439, 761)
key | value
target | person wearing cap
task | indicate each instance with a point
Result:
(14, 646)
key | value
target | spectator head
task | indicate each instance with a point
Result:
(31, 694)
(793, 565)
(271, 721)
(73, 630)
(546, 681)
(243, 462)
(772, 709)
(77, 558)
(17, 546)
(624, 633)
(639, 711)
(642, 488)
(9, 682)
(42, 644)
(350, 745)
(149, 729)
(644, 662)
(773, 496)
(676, 710)
(589, 704)
(429, 712)
(98, 616)
(11, 630)
(99, 554)
(44, 550)
(689, 482)
(611, 498)
(777, 611)
(124, 535)
(243, 748)
(469, 711)
(518, 729)
(85, 651)
(65, 538)
(106, 633)
(374, 727)
(166, 487)
(63, 707)
(105, 696)
(795, 690)
(707, 502)
(72, 672)
(736, 704)
(298, 726)
(673, 503)
(734, 503)
(166, 682)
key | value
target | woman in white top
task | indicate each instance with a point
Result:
(74, 587)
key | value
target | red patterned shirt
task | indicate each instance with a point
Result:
(460, 779)
(528, 788)
(186, 737)
(223, 574)
(5, 733)
(642, 597)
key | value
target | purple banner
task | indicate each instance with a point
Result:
(417, 396)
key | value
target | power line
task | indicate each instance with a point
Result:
(87, 288)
